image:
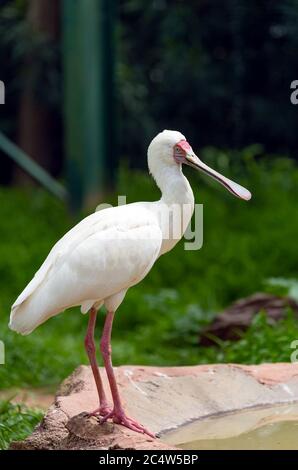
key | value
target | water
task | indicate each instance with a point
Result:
(278, 436)
(269, 428)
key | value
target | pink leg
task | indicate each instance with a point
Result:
(117, 414)
(103, 408)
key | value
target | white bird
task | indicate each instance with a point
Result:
(109, 251)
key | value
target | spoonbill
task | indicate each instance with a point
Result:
(111, 250)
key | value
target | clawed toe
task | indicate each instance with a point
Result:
(121, 418)
(101, 411)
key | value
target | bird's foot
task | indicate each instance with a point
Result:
(119, 417)
(102, 410)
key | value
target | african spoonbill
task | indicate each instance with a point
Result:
(111, 250)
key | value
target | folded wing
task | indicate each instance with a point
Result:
(104, 254)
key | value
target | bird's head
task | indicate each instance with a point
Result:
(170, 148)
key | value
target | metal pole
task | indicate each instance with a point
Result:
(89, 102)
(32, 168)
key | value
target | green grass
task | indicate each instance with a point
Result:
(160, 319)
(17, 422)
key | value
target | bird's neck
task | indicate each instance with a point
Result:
(175, 208)
(174, 186)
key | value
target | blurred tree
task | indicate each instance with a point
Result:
(30, 51)
(10, 17)
(219, 71)
(38, 126)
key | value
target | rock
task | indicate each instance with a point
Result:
(238, 317)
(162, 399)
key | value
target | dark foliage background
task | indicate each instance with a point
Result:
(218, 71)
(222, 68)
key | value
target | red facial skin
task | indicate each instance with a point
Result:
(180, 151)
(184, 145)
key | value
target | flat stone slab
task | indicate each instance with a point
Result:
(162, 399)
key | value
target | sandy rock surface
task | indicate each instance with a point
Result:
(162, 399)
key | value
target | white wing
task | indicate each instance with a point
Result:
(106, 253)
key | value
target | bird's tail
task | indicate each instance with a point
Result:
(29, 314)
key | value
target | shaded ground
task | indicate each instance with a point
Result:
(232, 322)
(33, 398)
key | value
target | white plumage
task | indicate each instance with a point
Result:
(95, 262)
